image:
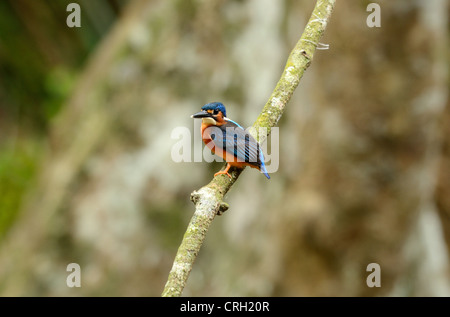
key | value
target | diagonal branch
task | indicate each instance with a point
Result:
(208, 199)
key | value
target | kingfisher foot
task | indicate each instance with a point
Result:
(223, 172)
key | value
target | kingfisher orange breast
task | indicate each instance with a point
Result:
(207, 139)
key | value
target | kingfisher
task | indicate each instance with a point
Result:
(227, 139)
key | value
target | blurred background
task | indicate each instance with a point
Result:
(86, 174)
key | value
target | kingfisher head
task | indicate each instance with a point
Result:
(212, 113)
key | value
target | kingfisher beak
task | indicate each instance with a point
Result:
(201, 114)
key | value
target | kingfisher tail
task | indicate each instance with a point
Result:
(263, 166)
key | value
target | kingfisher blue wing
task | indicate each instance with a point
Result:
(236, 141)
(233, 139)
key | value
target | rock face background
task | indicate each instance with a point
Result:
(364, 151)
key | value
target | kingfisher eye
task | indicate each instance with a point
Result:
(216, 111)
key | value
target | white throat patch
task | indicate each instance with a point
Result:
(209, 121)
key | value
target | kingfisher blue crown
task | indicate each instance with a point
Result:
(215, 105)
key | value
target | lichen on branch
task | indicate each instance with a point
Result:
(208, 199)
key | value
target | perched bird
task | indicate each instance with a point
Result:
(227, 139)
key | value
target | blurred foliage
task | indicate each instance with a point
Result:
(58, 85)
(40, 59)
(40, 55)
(17, 165)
